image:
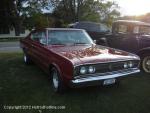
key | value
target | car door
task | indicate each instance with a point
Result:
(123, 38)
(38, 49)
(144, 36)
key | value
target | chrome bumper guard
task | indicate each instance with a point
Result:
(104, 76)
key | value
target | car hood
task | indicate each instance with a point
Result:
(85, 54)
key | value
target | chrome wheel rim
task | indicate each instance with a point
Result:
(55, 80)
(25, 58)
(146, 64)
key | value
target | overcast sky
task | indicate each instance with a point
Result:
(133, 7)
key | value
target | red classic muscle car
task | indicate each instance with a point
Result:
(72, 58)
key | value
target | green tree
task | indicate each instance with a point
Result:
(30, 12)
(86, 10)
(9, 14)
(108, 12)
(13, 12)
(39, 20)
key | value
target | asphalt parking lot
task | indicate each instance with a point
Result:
(10, 47)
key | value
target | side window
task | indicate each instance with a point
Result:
(136, 29)
(43, 38)
(104, 28)
(144, 30)
(123, 29)
(82, 26)
(39, 37)
(35, 36)
(114, 28)
(94, 27)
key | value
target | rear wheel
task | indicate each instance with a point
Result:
(145, 63)
(57, 82)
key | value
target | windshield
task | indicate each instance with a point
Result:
(93, 27)
(63, 37)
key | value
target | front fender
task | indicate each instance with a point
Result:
(144, 51)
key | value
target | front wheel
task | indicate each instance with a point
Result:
(146, 64)
(57, 82)
(26, 59)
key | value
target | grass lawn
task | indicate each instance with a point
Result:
(28, 85)
(11, 39)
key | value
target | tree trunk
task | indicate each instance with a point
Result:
(17, 26)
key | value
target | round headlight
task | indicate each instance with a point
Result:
(91, 69)
(125, 65)
(83, 70)
(130, 64)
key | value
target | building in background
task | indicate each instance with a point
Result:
(7, 32)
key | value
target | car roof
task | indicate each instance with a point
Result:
(62, 29)
(132, 22)
(86, 22)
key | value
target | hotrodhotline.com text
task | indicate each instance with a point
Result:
(33, 107)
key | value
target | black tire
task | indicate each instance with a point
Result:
(118, 83)
(145, 63)
(57, 82)
(27, 59)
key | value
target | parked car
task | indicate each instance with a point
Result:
(71, 58)
(95, 30)
(131, 36)
(128, 35)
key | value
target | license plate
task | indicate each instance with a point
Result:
(109, 81)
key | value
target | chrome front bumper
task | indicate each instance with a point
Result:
(104, 76)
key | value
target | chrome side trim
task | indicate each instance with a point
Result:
(106, 76)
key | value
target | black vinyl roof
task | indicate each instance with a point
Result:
(132, 22)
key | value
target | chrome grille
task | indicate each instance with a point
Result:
(107, 67)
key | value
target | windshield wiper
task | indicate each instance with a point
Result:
(79, 43)
(70, 44)
(58, 44)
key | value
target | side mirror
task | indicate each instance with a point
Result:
(43, 41)
(102, 41)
